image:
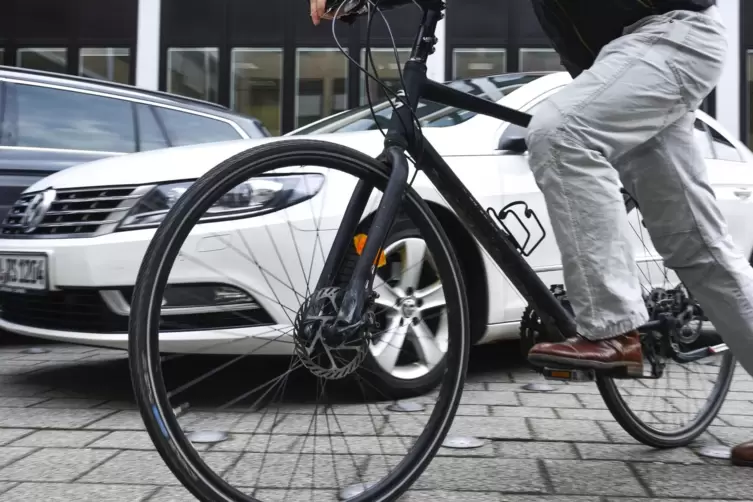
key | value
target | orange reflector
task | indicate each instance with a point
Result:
(360, 241)
(560, 374)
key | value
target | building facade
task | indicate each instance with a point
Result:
(265, 59)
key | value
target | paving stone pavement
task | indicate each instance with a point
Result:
(69, 431)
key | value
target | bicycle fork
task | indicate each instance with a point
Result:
(358, 289)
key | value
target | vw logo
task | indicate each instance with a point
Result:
(38, 207)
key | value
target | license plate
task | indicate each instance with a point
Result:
(23, 272)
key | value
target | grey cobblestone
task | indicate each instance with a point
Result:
(120, 420)
(55, 464)
(9, 454)
(47, 419)
(125, 440)
(483, 474)
(548, 498)
(632, 499)
(8, 436)
(549, 400)
(566, 430)
(490, 398)
(692, 481)
(67, 492)
(636, 453)
(737, 420)
(592, 401)
(67, 402)
(20, 402)
(141, 467)
(171, 494)
(583, 414)
(59, 439)
(585, 477)
(522, 411)
(448, 496)
(69, 431)
(534, 449)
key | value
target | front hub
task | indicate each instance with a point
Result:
(326, 349)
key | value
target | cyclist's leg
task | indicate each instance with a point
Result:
(639, 84)
(668, 179)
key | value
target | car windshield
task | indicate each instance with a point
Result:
(431, 114)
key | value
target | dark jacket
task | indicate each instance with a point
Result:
(579, 29)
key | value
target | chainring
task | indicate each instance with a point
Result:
(532, 330)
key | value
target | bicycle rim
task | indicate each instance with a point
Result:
(333, 457)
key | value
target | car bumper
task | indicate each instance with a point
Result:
(84, 273)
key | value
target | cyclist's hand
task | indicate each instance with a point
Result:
(317, 11)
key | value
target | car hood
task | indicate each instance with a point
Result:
(191, 162)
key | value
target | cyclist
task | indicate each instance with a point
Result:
(641, 68)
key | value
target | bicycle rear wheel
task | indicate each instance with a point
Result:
(324, 424)
(677, 408)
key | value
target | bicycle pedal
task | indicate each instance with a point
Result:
(568, 375)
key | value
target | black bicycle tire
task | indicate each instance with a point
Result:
(164, 431)
(649, 436)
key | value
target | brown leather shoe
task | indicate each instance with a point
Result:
(742, 454)
(621, 352)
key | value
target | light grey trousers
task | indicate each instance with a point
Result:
(630, 119)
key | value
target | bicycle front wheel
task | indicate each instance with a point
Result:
(228, 275)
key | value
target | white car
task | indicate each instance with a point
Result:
(71, 248)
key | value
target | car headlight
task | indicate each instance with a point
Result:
(254, 197)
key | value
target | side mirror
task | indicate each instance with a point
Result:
(514, 144)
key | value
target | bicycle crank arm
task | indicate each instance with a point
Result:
(698, 354)
(586, 375)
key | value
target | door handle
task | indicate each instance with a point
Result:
(742, 193)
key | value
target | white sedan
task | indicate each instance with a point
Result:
(71, 248)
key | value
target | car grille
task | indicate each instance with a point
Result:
(74, 212)
(84, 310)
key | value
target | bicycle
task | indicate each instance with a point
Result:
(336, 326)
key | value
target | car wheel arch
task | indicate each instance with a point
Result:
(471, 262)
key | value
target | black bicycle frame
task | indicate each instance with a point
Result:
(401, 136)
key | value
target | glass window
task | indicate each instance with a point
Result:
(108, 63)
(470, 63)
(53, 118)
(429, 113)
(151, 136)
(256, 85)
(193, 72)
(321, 84)
(702, 139)
(190, 129)
(723, 148)
(386, 67)
(55, 60)
(540, 60)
